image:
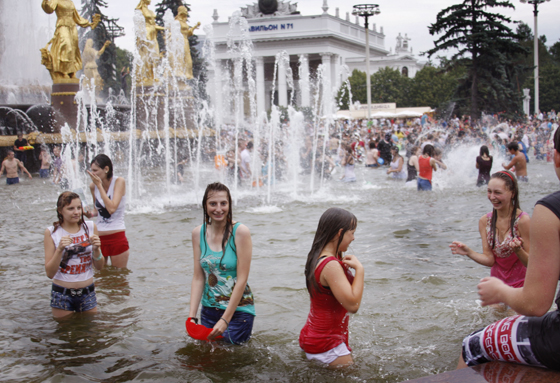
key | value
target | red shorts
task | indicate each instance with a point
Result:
(114, 244)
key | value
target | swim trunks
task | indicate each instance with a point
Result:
(113, 244)
(44, 173)
(240, 326)
(12, 181)
(523, 179)
(79, 300)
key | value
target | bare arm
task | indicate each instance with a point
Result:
(53, 255)
(537, 294)
(511, 164)
(348, 295)
(23, 168)
(525, 243)
(244, 246)
(3, 167)
(96, 245)
(486, 258)
(197, 284)
(120, 189)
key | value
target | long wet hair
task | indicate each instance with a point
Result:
(213, 188)
(330, 223)
(102, 161)
(66, 199)
(484, 151)
(511, 185)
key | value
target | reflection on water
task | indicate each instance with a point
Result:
(419, 301)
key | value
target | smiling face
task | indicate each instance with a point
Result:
(499, 195)
(72, 213)
(217, 206)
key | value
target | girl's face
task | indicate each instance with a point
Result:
(499, 195)
(217, 206)
(347, 239)
(99, 172)
(72, 213)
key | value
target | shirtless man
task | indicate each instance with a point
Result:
(11, 165)
(518, 161)
(45, 159)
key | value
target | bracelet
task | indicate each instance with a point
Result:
(227, 323)
(98, 258)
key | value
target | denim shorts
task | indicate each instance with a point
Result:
(73, 299)
(424, 184)
(240, 325)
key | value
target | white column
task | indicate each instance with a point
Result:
(260, 86)
(304, 80)
(238, 85)
(336, 76)
(218, 101)
(327, 84)
(282, 84)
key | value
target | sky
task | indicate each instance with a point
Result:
(397, 16)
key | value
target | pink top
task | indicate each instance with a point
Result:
(507, 266)
(327, 323)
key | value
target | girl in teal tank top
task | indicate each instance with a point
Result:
(222, 254)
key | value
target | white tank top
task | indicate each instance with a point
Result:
(78, 255)
(106, 221)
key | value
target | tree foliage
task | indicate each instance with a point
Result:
(106, 30)
(486, 47)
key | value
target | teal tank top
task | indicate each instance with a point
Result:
(221, 278)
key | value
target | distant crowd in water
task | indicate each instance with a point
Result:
(408, 149)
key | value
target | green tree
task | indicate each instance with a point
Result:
(106, 30)
(433, 87)
(389, 85)
(485, 47)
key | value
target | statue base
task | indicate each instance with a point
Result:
(64, 104)
(151, 107)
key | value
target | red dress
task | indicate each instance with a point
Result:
(327, 322)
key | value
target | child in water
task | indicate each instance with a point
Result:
(334, 291)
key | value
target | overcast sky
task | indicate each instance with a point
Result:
(405, 16)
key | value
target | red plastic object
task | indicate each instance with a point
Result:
(198, 331)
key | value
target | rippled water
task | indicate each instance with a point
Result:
(419, 299)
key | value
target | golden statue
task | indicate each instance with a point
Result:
(90, 56)
(64, 60)
(184, 65)
(148, 47)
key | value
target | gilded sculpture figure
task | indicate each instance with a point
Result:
(90, 56)
(184, 64)
(63, 59)
(148, 47)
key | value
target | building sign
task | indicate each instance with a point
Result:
(271, 27)
(387, 106)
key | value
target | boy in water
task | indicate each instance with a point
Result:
(11, 164)
(518, 161)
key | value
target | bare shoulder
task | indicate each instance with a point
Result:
(196, 231)
(484, 219)
(524, 219)
(242, 231)
(47, 232)
(120, 181)
(92, 187)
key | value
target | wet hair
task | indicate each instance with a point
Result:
(102, 160)
(249, 145)
(330, 223)
(414, 150)
(429, 150)
(372, 145)
(214, 188)
(66, 199)
(513, 146)
(484, 151)
(511, 185)
(557, 140)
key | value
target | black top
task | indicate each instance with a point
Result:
(412, 173)
(19, 143)
(544, 332)
(484, 168)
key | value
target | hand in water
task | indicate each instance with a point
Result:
(351, 261)
(459, 248)
(218, 329)
(489, 290)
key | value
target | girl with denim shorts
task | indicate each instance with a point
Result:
(222, 252)
(71, 252)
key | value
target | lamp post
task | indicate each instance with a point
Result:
(536, 49)
(365, 11)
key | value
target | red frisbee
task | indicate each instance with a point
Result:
(198, 331)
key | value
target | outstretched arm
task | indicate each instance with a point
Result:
(23, 169)
(486, 258)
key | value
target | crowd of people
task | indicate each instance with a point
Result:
(222, 247)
